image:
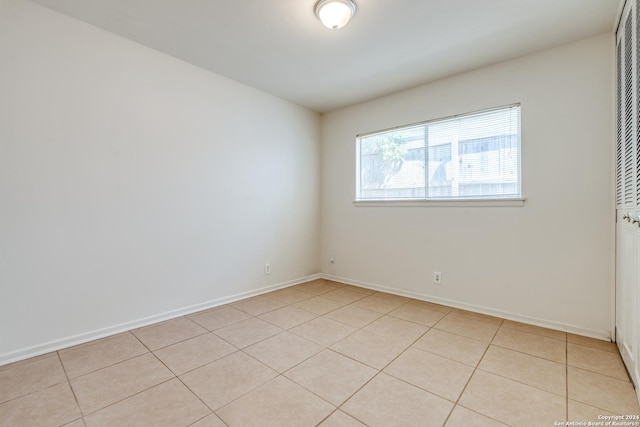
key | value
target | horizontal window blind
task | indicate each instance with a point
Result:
(471, 156)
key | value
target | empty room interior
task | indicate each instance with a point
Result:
(421, 213)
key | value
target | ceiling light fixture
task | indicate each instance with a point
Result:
(335, 14)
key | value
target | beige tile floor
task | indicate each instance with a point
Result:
(322, 353)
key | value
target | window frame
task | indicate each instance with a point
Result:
(488, 201)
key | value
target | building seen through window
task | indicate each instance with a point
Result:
(471, 156)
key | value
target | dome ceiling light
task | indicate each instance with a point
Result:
(335, 14)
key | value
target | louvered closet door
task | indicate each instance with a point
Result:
(628, 187)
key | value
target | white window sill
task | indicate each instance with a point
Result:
(441, 203)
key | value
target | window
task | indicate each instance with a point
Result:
(471, 156)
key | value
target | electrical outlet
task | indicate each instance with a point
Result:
(267, 268)
(332, 259)
(437, 277)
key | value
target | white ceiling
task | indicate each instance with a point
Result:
(280, 47)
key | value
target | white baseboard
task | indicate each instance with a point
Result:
(59, 344)
(67, 342)
(602, 335)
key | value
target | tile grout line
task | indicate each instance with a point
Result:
(71, 388)
(189, 388)
(68, 379)
(134, 394)
(37, 390)
(238, 397)
(520, 382)
(527, 354)
(328, 416)
(229, 342)
(325, 348)
(174, 343)
(279, 374)
(381, 371)
(130, 396)
(176, 377)
(109, 366)
(535, 334)
(402, 352)
(328, 348)
(475, 369)
(582, 368)
(455, 333)
(208, 415)
(416, 340)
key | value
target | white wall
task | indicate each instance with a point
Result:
(133, 184)
(549, 262)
